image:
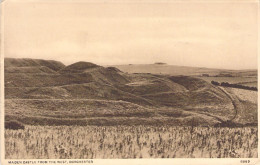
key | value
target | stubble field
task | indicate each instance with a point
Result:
(79, 142)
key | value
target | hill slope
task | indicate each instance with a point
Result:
(82, 88)
(26, 62)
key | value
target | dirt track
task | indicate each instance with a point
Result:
(241, 109)
(234, 101)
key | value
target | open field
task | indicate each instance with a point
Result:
(245, 95)
(245, 104)
(166, 69)
(247, 81)
(183, 70)
(76, 142)
(243, 77)
(103, 112)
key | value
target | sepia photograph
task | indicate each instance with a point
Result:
(87, 80)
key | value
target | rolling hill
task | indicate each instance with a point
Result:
(26, 62)
(50, 93)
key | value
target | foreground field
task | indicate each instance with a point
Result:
(78, 142)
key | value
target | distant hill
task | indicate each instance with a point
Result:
(160, 63)
(26, 62)
(60, 90)
(163, 68)
(79, 67)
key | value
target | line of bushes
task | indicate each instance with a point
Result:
(13, 124)
(226, 84)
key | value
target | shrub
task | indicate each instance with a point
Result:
(215, 83)
(226, 84)
(15, 125)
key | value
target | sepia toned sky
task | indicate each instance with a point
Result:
(203, 34)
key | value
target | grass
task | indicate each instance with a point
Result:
(250, 84)
(246, 105)
(102, 112)
(84, 142)
(245, 95)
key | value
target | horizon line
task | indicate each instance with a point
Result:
(155, 63)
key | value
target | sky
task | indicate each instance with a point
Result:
(203, 34)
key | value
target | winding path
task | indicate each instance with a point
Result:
(235, 102)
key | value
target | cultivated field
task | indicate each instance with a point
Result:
(245, 95)
(80, 142)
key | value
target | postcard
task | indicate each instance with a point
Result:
(129, 82)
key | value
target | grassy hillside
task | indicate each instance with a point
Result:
(43, 92)
(26, 62)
